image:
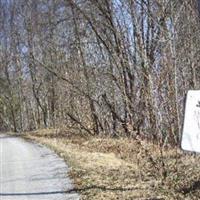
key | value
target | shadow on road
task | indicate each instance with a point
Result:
(74, 191)
(65, 192)
(35, 193)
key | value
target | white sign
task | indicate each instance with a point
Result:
(191, 129)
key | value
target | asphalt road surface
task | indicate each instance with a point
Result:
(29, 171)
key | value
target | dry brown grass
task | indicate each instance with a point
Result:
(106, 168)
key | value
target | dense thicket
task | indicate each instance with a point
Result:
(107, 67)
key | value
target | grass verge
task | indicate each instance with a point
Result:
(110, 169)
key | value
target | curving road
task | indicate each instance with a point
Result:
(29, 171)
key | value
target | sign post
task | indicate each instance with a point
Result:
(191, 128)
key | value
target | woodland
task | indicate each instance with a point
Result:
(118, 68)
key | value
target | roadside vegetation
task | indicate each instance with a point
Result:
(107, 168)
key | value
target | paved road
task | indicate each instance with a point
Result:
(29, 171)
